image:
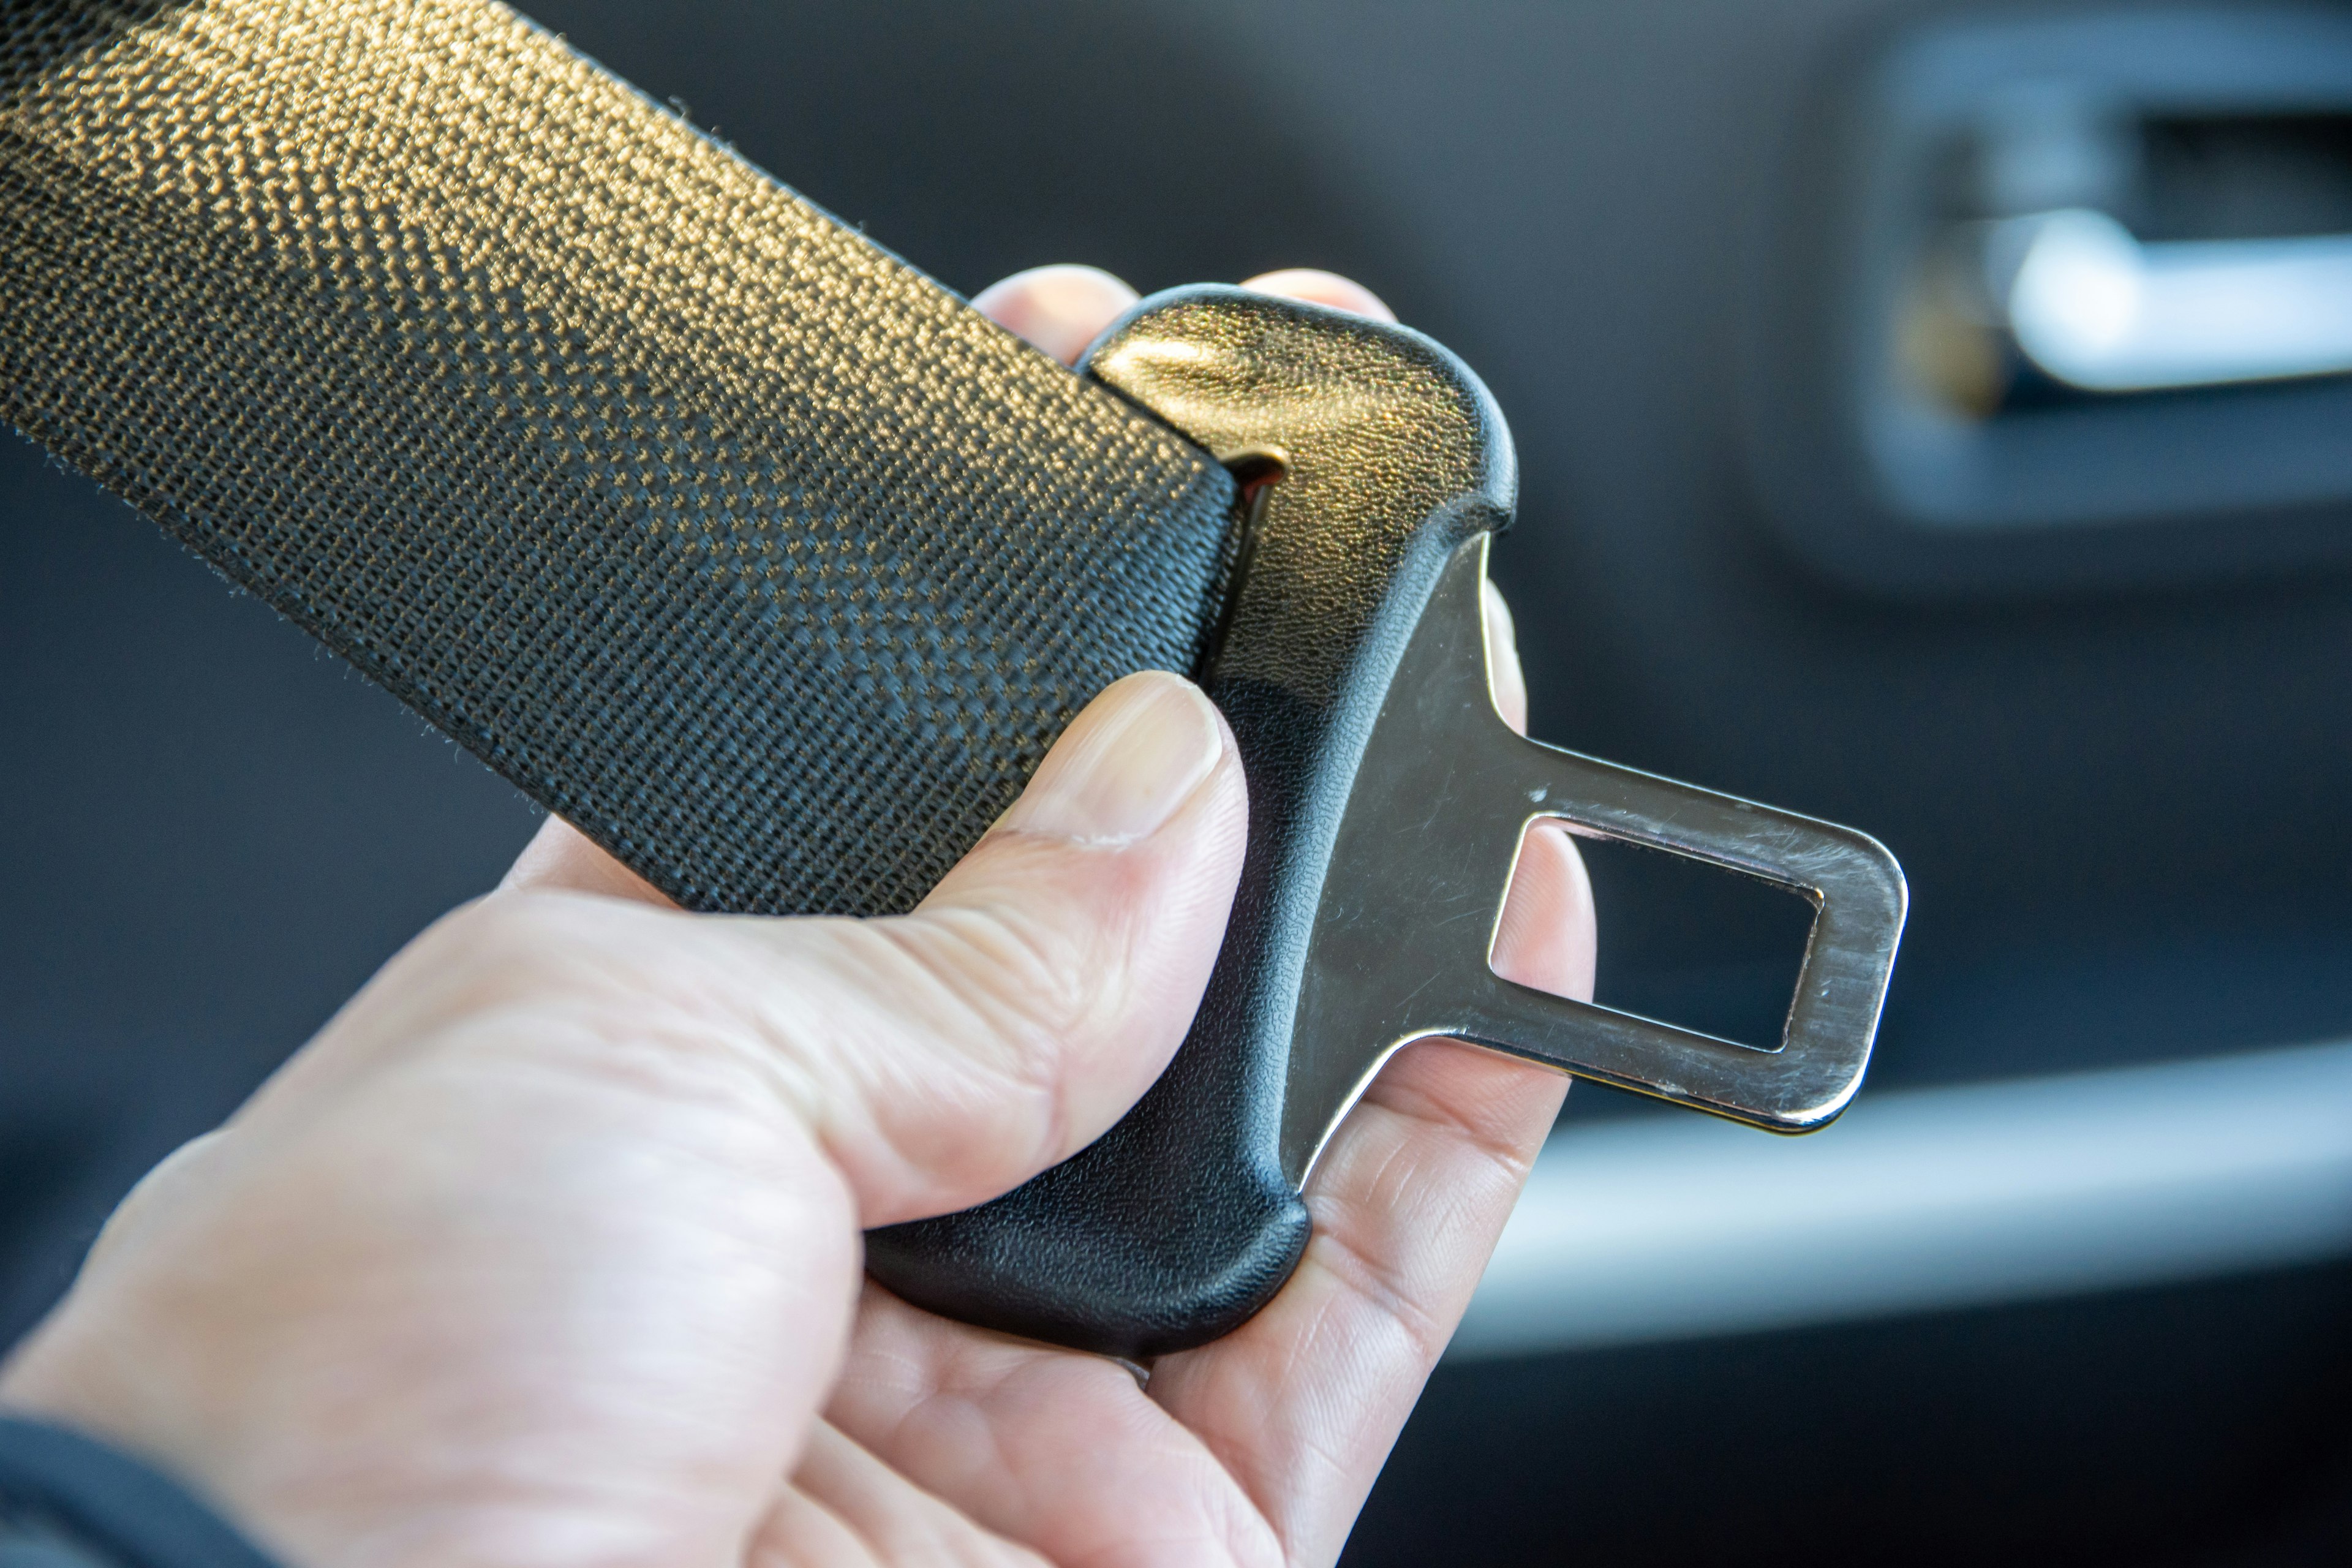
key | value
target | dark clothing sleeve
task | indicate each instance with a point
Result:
(69, 1502)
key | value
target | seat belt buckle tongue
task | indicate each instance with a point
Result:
(1389, 801)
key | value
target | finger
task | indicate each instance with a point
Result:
(562, 858)
(1319, 287)
(1503, 670)
(1059, 309)
(1061, 1451)
(1046, 981)
(939, 1058)
(1545, 938)
(1303, 1403)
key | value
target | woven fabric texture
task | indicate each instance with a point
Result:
(717, 529)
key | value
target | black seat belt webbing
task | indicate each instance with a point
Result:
(716, 528)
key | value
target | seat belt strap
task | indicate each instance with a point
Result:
(716, 528)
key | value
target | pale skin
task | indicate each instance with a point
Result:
(546, 1251)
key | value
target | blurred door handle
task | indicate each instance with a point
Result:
(2095, 307)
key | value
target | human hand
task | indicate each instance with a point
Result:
(547, 1249)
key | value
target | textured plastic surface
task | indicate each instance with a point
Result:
(1180, 1222)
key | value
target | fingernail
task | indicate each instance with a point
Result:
(1059, 309)
(1317, 286)
(1131, 760)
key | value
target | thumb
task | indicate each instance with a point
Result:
(944, 1056)
(1057, 967)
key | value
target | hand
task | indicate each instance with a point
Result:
(547, 1249)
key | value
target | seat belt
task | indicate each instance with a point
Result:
(763, 560)
(724, 534)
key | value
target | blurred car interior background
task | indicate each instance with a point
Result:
(1933, 417)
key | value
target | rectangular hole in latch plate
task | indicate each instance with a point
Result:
(1693, 944)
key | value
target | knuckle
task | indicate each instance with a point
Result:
(593, 961)
(1036, 988)
(524, 948)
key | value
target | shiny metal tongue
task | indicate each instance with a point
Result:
(1414, 892)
